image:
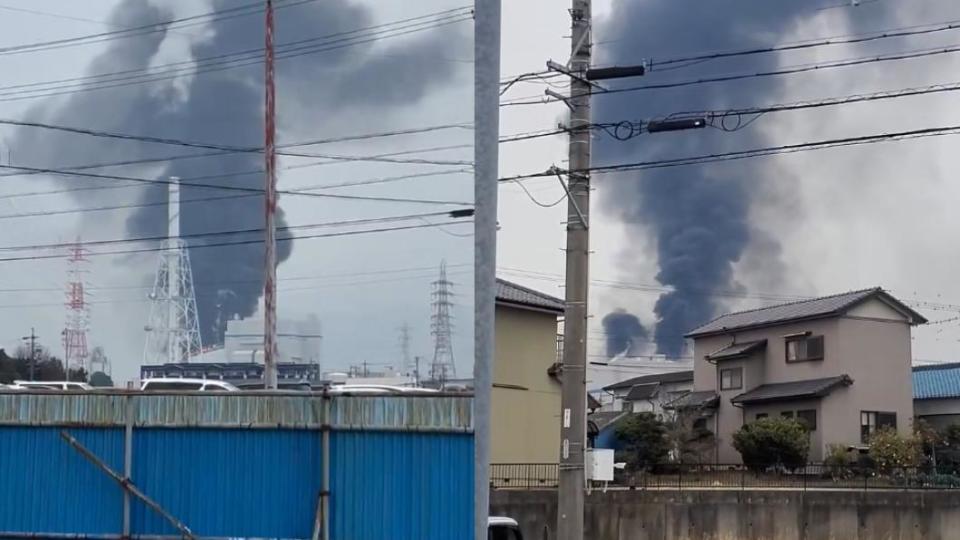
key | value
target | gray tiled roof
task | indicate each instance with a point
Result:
(825, 306)
(667, 377)
(791, 391)
(603, 419)
(737, 350)
(516, 294)
(695, 400)
(642, 391)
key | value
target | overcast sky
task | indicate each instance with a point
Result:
(363, 288)
(820, 222)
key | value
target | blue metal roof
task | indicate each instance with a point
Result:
(936, 381)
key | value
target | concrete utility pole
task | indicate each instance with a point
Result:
(270, 201)
(486, 120)
(574, 366)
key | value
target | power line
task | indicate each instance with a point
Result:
(248, 242)
(837, 40)
(354, 183)
(160, 26)
(181, 182)
(756, 152)
(227, 60)
(627, 129)
(219, 147)
(372, 181)
(717, 293)
(224, 61)
(741, 76)
(214, 295)
(431, 269)
(113, 241)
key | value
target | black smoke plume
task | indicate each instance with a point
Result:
(698, 215)
(226, 107)
(624, 333)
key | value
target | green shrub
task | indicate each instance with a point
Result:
(770, 442)
(891, 451)
(644, 439)
(838, 462)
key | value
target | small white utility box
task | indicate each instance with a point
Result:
(599, 464)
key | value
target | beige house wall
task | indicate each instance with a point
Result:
(871, 344)
(525, 422)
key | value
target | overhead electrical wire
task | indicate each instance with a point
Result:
(220, 147)
(755, 152)
(163, 203)
(214, 64)
(193, 236)
(224, 61)
(342, 283)
(97, 288)
(60, 172)
(848, 39)
(247, 54)
(742, 76)
(660, 289)
(159, 26)
(249, 242)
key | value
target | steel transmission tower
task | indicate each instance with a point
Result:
(443, 366)
(173, 331)
(78, 311)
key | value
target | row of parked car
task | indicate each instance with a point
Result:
(211, 385)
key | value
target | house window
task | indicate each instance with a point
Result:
(787, 414)
(804, 348)
(731, 379)
(700, 424)
(808, 418)
(871, 421)
(761, 415)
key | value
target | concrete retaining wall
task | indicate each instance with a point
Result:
(743, 515)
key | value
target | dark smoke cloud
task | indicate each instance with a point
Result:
(624, 333)
(226, 107)
(698, 215)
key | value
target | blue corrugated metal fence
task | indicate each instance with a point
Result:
(399, 467)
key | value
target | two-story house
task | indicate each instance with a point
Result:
(840, 363)
(648, 393)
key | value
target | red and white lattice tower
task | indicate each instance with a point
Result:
(78, 310)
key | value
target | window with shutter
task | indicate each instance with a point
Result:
(787, 414)
(761, 415)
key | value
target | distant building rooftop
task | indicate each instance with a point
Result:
(936, 381)
(661, 378)
(640, 392)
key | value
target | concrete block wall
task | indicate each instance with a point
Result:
(744, 515)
